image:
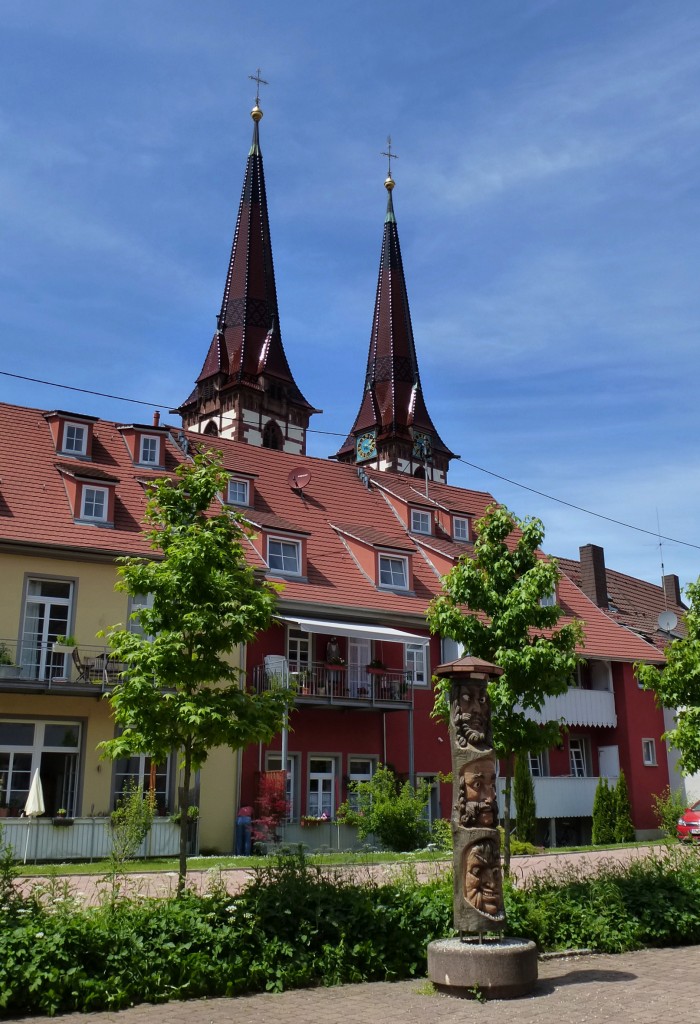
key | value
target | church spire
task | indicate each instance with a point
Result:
(245, 389)
(393, 429)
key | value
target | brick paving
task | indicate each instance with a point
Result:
(646, 987)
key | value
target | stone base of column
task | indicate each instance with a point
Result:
(490, 969)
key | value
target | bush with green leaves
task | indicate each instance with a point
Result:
(393, 812)
(441, 834)
(603, 833)
(668, 807)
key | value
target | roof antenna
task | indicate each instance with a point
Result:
(661, 557)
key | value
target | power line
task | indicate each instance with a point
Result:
(333, 433)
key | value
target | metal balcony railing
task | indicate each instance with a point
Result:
(321, 682)
(51, 662)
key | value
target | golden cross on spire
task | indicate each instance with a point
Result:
(391, 156)
(259, 81)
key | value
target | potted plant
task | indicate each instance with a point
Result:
(64, 644)
(61, 818)
(8, 669)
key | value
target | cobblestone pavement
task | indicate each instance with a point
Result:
(652, 986)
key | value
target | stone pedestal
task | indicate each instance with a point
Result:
(492, 968)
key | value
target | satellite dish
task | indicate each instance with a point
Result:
(298, 479)
(667, 621)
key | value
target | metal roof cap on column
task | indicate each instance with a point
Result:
(355, 629)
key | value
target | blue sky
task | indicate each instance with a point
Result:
(547, 199)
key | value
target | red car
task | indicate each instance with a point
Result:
(688, 826)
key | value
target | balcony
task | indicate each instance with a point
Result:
(85, 839)
(320, 683)
(50, 666)
(594, 708)
(561, 796)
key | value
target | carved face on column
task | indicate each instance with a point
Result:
(483, 880)
(477, 806)
(471, 716)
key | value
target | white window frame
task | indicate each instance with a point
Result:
(298, 650)
(431, 811)
(284, 556)
(649, 752)
(45, 617)
(315, 803)
(136, 602)
(273, 763)
(80, 433)
(420, 521)
(460, 528)
(416, 662)
(354, 775)
(137, 768)
(91, 517)
(388, 564)
(549, 600)
(538, 764)
(580, 744)
(149, 444)
(243, 486)
(68, 797)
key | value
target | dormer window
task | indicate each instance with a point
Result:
(420, 521)
(238, 492)
(460, 528)
(74, 439)
(149, 453)
(94, 504)
(393, 572)
(549, 600)
(284, 556)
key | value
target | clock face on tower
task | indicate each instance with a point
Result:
(366, 446)
(422, 446)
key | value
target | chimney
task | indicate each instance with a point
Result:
(156, 418)
(593, 581)
(672, 589)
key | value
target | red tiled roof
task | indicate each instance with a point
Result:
(34, 510)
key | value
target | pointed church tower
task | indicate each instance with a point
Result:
(245, 390)
(393, 429)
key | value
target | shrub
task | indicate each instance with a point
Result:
(389, 810)
(603, 814)
(668, 807)
(441, 834)
(524, 796)
(624, 829)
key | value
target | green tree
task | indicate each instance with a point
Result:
(495, 604)
(668, 807)
(678, 685)
(393, 812)
(603, 832)
(181, 691)
(624, 829)
(524, 797)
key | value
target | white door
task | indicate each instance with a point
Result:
(359, 657)
(609, 762)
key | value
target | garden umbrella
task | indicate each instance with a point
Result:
(34, 805)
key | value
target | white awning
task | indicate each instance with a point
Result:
(355, 629)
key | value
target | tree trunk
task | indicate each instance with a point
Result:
(506, 814)
(184, 818)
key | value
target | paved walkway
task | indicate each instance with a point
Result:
(87, 887)
(653, 986)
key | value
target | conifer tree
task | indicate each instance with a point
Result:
(624, 829)
(524, 796)
(603, 817)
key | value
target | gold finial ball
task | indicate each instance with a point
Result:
(389, 183)
(256, 113)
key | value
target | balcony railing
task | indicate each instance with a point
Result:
(320, 682)
(54, 664)
(593, 708)
(561, 796)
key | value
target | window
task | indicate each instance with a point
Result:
(431, 811)
(52, 748)
(649, 752)
(321, 799)
(273, 763)
(150, 450)
(420, 521)
(47, 614)
(360, 769)
(460, 528)
(538, 764)
(298, 650)
(284, 556)
(136, 603)
(237, 492)
(136, 770)
(415, 663)
(94, 504)
(393, 572)
(74, 439)
(549, 600)
(579, 757)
